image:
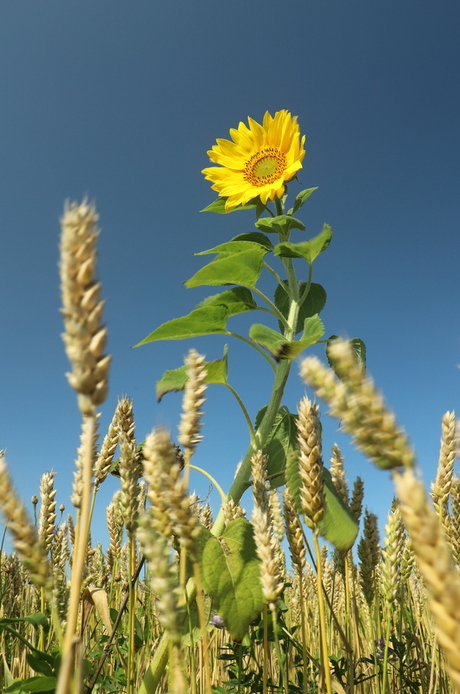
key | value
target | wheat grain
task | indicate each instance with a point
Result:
(310, 463)
(85, 336)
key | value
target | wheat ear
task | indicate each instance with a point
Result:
(435, 563)
(31, 551)
(360, 407)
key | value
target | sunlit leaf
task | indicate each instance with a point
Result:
(238, 268)
(313, 330)
(279, 347)
(231, 576)
(282, 224)
(233, 246)
(255, 237)
(308, 250)
(273, 341)
(338, 525)
(237, 300)
(33, 684)
(202, 321)
(281, 442)
(176, 379)
(219, 207)
(300, 199)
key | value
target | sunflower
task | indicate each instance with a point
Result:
(259, 161)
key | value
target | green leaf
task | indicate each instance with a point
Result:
(308, 250)
(313, 330)
(255, 237)
(358, 347)
(273, 341)
(202, 321)
(237, 300)
(176, 379)
(282, 224)
(300, 199)
(314, 303)
(219, 206)
(238, 268)
(279, 347)
(41, 662)
(281, 443)
(33, 684)
(231, 247)
(231, 575)
(338, 526)
(37, 619)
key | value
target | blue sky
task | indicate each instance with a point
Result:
(120, 101)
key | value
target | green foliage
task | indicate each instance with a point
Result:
(358, 347)
(46, 685)
(233, 247)
(218, 206)
(308, 250)
(283, 224)
(338, 526)
(255, 237)
(279, 347)
(237, 300)
(230, 574)
(43, 663)
(208, 320)
(300, 199)
(176, 379)
(241, 268)
(314, 303)
(281, 443)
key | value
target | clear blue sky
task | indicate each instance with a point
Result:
(121, 100)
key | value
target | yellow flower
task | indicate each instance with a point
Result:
(259, 161)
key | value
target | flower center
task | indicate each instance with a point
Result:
(265, 167)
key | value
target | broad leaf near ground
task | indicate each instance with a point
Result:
(208, 320)
(231, 575)
(338, 526)
(176, 379)
(282, 441)
(33, 684)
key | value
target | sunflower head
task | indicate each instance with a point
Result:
(258, 161)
